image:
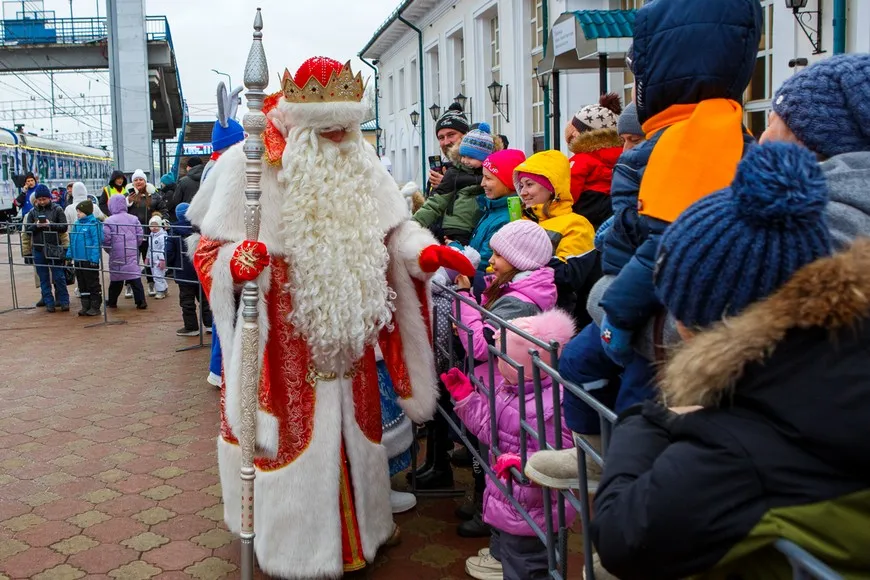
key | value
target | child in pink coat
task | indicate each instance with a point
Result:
(513, 544)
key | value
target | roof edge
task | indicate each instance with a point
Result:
(389, 21)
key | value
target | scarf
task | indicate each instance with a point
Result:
(696, 155)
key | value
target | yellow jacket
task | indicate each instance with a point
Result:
(572, 234)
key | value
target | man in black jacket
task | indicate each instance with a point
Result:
(189, 184)
(42, 246)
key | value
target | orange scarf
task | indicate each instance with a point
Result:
(696, 156)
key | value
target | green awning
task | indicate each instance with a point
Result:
(578, 38)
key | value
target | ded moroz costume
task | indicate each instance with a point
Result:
(341, 269)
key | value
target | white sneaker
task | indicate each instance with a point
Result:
(78, 293)
(484, 567)
(128, 293)
(401, 502)
(160, 296)
(215, 381)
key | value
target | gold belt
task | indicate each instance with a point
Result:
(313, 375)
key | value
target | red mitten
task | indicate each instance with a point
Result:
(248, 261)
(504, 463)
(434, 257)
(457, 384)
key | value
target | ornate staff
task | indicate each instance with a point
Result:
(256, 80)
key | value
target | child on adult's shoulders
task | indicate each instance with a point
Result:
(452, 210)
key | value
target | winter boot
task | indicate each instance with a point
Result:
(94, 310)
(474, 528)
(86, 304)
(441, 474)
(466, 511)
(151, 291)
(430, 456)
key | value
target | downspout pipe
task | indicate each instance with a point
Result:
(545, 15)
(839, 26)
(377, 108)
(419, 32)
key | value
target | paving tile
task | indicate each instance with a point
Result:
(127, 505)
(47, 534)
(74, 545)
(101, 495)
(89, 518)
(23, 522)
(31, 562)
(176, 555)
(153, 516)
(103, 558)
(120, 457)
(168, 472)
(68, 460)
(192, 481)
(214, 538)
(137, 570)
(174, 455)
(211, 569)
(190, 502)
(41, 498)
(113, 475)
(183, 527)
(62, 572)
(145, 542)
(136, 483)
(9, 547)
(215, 513)
(115, 530)
(161, 492)
(62, 509)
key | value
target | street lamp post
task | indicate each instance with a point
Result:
(229, 78)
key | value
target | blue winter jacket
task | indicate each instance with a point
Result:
(670, 70)
(85, 240)
(495, 215)
(176, 256)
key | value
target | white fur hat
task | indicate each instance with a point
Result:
(139, 173)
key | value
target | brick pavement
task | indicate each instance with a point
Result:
(107, 455)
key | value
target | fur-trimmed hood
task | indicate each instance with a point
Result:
(831, 295)
(589, 141)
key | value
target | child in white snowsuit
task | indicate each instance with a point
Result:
(156, 258)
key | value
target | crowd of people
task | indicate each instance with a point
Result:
(708, 285)
(131, 231)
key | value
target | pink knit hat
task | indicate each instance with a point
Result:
(539, 179)
(524, 244)
(502, 164)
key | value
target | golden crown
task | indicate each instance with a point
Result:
(343, 86)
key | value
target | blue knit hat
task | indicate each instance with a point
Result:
(827, 105)
(739, 245)
(223, 137)
(181, 210)
(477, 144)
(167, 179)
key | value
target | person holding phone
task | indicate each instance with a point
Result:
(43, 244)
(450, 128)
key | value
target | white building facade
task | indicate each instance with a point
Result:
(468, 44)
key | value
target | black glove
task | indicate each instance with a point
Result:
(28, 260)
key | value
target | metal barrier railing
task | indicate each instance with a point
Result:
(136, 249)
(554, 533)
(44, 28)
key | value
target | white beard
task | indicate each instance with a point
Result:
(336, 252)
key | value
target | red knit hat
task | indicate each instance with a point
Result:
(502, 164)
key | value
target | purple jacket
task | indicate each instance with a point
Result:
(122, 235)
(529, 293)
(475, 414)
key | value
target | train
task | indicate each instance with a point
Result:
(55, 163)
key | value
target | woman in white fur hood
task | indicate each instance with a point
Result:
(80, 194)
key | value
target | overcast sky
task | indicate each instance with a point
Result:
(216, 34)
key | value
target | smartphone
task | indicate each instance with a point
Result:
(42, 219)
(435, 163)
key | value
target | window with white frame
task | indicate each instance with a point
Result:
(433, 82)
(627, 77)
(457, 58)
(759, 92)
(494, 69)
(415, 86)
(402, 103)
(391, 98)
(536, 25)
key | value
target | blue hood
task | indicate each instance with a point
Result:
(688, 51)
